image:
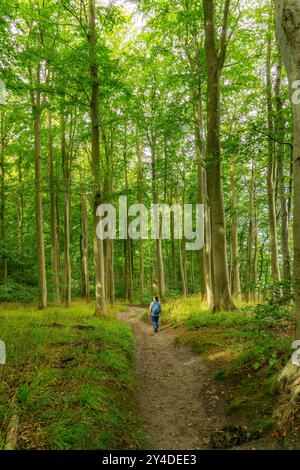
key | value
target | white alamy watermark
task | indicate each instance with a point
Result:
(2, 92)
(138, 222)
(296, 92)
(2, 352)
(296, 354)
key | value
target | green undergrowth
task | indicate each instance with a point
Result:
(69, 377)
(246, 349)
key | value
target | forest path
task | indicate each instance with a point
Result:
(180, 403)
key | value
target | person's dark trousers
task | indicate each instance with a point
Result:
(155, 322)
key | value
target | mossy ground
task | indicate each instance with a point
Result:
(69, 377)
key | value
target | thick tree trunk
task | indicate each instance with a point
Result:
(222, 299)
(288, 32)
(100, 308)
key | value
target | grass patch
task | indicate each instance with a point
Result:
(70, 378)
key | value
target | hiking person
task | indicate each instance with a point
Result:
(155, 311)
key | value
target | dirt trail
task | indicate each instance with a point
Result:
(178, 399)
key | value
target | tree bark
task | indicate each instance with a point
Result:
(140, 201)
(235, 278)
(53, 216)
(129, 245)
(160, 265)
(65, 155)
(205, 253)
(84, 249)
(271, 179)
(36, 109)
(250, 235)
(222, 299)
(288, 33)
(280, 156)
(2, 202)
(100, 308)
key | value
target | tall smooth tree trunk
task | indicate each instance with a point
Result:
(280, 156)
(37, 111)
(250, 235)
(84, 249)
(255, 256)
(288, 33)
(159, 256)
(235, 278)
(222, 299)
(140, 201)
(205, 253)
(129, 244)
(182, 244)
(100, 308)
(271, 179)
(108, 244)
(173, 250)
(181, 267)
(20, 217)
(111, 272)
(53, 216)
(66, 188)
(125, 270)
(2, 202)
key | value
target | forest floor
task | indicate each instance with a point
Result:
(69, 378)
(181, 403)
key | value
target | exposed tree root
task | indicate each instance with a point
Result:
(12, 433)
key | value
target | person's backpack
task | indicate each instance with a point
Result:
(156, 308)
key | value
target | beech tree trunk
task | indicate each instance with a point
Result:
(84, 249)
(53, 216)
(205, 253)
(288, 33)
(222, 299)
(36, 109)
(271, 180)
(129, 244)
(280, 156)
(20, 217)
(100, 308)
(160, 264)
(65, 154)
(255, 256)
(2, 201)
(250, 235)
(140, 201)
(235, 277)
